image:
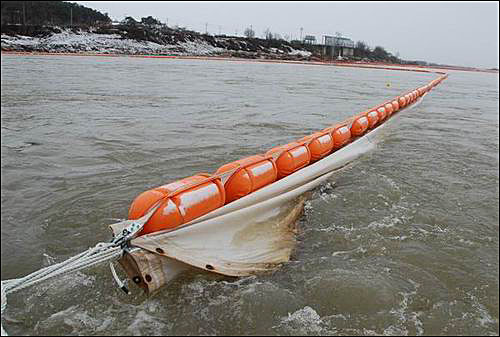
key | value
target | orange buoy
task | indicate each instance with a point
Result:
(388, 109)
(196, 196)
(341, 135)
(382, 114)
(408, 99)
(402, 101)
(252, 173)
(359, 126)
(372, 119)
(320, 144)
(293, 157)
(395, 106)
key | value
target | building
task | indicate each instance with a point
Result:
(335, 47)
(310, 39)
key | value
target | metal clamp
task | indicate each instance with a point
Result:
(133, 227)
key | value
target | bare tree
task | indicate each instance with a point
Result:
(268, 35)
(361, 49)
(249, 32)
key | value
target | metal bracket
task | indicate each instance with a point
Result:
(133, 227)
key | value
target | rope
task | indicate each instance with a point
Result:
(100, 253)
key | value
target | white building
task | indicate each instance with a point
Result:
(336, 46)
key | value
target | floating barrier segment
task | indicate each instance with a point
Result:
(248, 175)
(196, 196)
(207, 242)
(320, 144)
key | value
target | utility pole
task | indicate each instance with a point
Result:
(219, 29)
(206, 28)
(301, 29)
(71, 17)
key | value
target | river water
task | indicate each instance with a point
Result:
(405, 241)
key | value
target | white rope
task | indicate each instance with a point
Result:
(101, 253)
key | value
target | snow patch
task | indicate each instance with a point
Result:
(68, 41)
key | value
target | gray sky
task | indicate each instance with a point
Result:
(456, 33)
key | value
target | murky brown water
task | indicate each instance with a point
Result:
(404, 242)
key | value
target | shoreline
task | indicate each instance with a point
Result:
(369, 65)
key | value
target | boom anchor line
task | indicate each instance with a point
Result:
(100, 253)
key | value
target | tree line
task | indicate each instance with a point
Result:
(50, 13)
(362, 50)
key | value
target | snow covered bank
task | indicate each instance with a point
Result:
(71, 41)
(67, 41)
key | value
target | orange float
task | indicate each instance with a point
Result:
(180, 202)
(388, 109)
(292, 157)
(341, 135)
(395, 106)
(359, 126)
(251, 174)
(382, 114)
(372, 119)
(402, 101)
(320, 144)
